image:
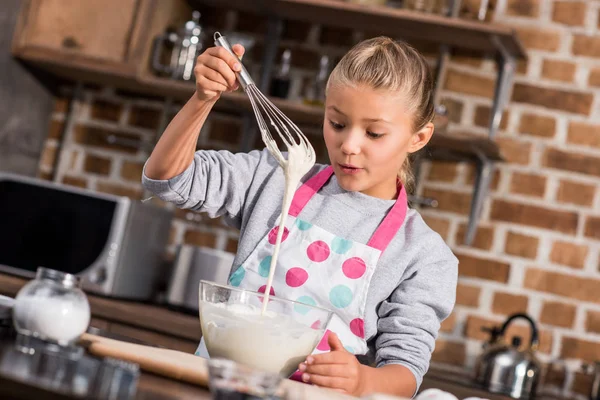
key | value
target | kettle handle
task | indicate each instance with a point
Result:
(534, 331)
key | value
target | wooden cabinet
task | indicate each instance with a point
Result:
(95, 29)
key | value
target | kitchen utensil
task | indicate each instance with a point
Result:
(184, 46)
(52, 307)
(301, 155)
(193, 264)
(190, 368)
(234, 328)
(510, 369)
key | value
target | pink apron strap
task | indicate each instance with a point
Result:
(385, 231)
(307, 191)
(391, 223)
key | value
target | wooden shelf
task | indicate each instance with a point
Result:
(406, 24)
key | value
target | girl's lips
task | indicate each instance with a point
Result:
(349, 169)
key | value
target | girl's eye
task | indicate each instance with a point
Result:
(336, 126)
(374, 135)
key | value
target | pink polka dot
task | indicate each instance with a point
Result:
(262, 290)
(273, 235)
(357, 326)
(318, 251)
(296, 277)
(324, 344)
(354, 267)
(316, 324)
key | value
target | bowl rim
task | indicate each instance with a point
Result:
(331, 312)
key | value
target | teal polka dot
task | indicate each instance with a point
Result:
(265, 265)
(300, 309)
(340, 245)
(303, 225)
(237, 277)
(349, 349)
(340, 296)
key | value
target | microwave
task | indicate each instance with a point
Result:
(115, 244)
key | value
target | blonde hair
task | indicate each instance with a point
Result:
(382, 63)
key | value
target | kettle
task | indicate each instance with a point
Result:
(184, 46)
(509, 369)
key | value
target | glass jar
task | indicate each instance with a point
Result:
(52, 307)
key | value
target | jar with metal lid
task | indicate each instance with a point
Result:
(52, 307)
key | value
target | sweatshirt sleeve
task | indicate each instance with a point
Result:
(216, 182)
(409, 320)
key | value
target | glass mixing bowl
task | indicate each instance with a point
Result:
(234, 329)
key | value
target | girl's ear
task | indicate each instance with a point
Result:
(421, 138)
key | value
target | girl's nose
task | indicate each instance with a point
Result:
(351, 143)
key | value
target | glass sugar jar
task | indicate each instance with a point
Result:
(52, 307)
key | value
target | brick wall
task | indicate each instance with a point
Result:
(537, 249)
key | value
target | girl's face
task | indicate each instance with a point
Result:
(368, 136)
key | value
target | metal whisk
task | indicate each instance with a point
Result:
(298, 146)
(301, 155)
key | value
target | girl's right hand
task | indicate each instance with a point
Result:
(215, 71)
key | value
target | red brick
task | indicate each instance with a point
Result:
(539, 217)
(448, 324)
(132, 171)
(474, 324)
(447, 352)
(97, 165)
(566, 285)
(467, 295)
(521, 245)
(592, 227)
(459, 203)
(587, 46)
(484, 237)
(558, 159)
(482, 117)
(594, 78)
(49, 156)
(99, 137)
(106, 110)
(558, 314)
(462, 82)
(582, 383)
(144, 117)
(537, 125)
(507, 303)
(584, 134)
(569, 254)
(56, 129)
(61, 104)
(74, 181)
(232, 245)
(440, 225)
(592, 321)
(555, 70)
(528, 184)
(226, 130)
(466, 57)
(576, 193)
(296, 30)
(573, 348)
(555, 376)
(514, 151)
(539, 39)
(333, 36)
(556, 99)
(569, 12)
(454, 109)
(482, 268)
(118, 190)
(203, 239)
(523, 8)
(441, 171)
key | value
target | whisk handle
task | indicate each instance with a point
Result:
(243, 76)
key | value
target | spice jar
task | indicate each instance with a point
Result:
(52, 307)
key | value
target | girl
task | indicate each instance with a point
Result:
(358, 249)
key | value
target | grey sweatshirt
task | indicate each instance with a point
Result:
(413, 287)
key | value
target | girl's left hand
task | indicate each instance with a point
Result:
(338, 369)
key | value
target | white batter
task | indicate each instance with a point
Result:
(294, 168)
(272, 342)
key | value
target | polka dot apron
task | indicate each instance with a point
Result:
(316, 267)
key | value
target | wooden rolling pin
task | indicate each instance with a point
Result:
(188, 367)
